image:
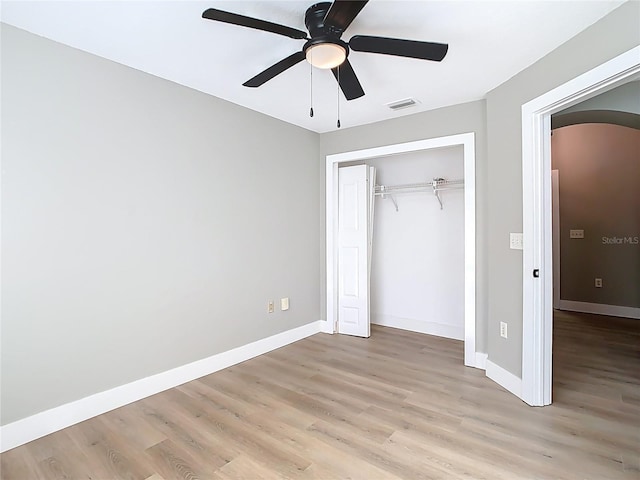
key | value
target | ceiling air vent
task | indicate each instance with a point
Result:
(406, 103)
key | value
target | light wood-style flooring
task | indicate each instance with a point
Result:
(399, 405)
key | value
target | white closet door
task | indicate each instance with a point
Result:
(353, 250)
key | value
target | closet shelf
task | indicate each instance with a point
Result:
(436, 186)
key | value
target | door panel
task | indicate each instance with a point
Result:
(353, 250)
(349, 281)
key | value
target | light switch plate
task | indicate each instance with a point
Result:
(515, 241)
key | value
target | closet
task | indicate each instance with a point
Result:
(414, 203)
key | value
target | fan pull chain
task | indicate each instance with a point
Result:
(338, 123)
(311, 87)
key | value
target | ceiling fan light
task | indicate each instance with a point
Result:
(326, 55)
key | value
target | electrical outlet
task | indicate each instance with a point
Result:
(576, 233)
(598, 283)
(270, 307)
(503, 330)
(284, 304)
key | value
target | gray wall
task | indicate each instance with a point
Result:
(625, 98)
(144, 225)
(468, 117)
(614, 34)
(599, 170)
(619, 106)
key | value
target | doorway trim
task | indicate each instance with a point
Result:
(467, 141)
(537, 301)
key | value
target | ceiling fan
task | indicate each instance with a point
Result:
(326, 23)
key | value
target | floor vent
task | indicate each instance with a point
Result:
(406, 103)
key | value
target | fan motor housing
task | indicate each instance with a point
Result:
(314, 19)
(320, 34)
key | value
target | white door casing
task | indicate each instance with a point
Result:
(353, 250)
(537, 293)
(467, 141)
(555, 215)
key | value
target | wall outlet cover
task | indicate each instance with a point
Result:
(503, 329)
(576, 233)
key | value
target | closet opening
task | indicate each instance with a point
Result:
(413, 159)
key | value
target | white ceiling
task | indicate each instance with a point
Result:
(489, 42)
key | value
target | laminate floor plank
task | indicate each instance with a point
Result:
(320, 454)
(114, 453)
(126, 421)
(399, 405)
(356, 445)
(200, 443)
(56, 460)
(455, 462)
(19, 464)
(175, 463)
(243, 436)
(60, 455)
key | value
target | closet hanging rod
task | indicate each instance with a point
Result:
(436, 186)
(439, 184)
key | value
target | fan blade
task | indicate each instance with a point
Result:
(348, 81)
(235, 19)
(401, 48)
(341, 14)
(275, 69)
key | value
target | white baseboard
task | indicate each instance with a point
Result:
(599, 309)
(481, 361)
(430, 328)
(325, 327)
(27, 429)
(504, 378)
